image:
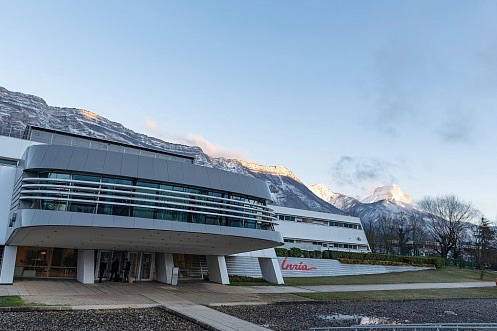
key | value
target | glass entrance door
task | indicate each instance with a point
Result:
(134, 259)
(146, 266)
(141, 264)
(104, 258)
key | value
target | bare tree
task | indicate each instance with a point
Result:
(386, 234)
(371, 234)
(415, 224)
(485, 238)
(403, 234)
(447, 220)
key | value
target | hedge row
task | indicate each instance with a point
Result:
(389, 263)
(363, 258)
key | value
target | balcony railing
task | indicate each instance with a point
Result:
(140, 201)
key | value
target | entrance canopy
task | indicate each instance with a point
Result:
(125, 239)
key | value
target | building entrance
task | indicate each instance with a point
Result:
(142, 264)
(191, 266)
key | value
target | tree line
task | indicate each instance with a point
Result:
(445, 226)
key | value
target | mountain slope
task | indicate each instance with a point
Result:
(339, 200)
(390, 193)
(17, 110)
(386, 201)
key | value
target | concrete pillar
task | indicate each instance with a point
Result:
(271, 271)
(218, 273)
(8, 265)
(86, 266)
(165, 264)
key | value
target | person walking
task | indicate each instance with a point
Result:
(114, 269)
(127, 268)
(101, 270)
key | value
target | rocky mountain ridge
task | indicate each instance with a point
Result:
(17, 110)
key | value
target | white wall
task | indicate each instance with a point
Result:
(7, 179)
(316, 232)
(314, 214)
(249, 266)
(14, 148)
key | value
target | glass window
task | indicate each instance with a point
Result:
(54, 205)
(86, 178)
(143, 212)
(118, 210)
(212, 220)
(250, 224)
(61, 140)
(120, 181)
(82, 207)
(165, 215)
(198, 218)
(235, 222)
(55, 175)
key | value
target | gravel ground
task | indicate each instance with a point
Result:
(82, 320)
(302, 316)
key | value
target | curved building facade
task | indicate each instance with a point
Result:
(87, 203)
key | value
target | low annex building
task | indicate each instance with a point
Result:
(71, 206)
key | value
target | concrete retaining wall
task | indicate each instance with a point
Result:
(304, 267)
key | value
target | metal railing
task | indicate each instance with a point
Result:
(414, 327)
(8, 131)
(94, 194)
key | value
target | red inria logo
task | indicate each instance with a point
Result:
(301, 266)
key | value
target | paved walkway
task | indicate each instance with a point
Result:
(188, 299)
(61, 292)
(360, 288)
(70, 292)
(213, 318)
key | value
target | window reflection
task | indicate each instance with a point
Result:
(147, 199)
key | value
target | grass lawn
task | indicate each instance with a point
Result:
(443, 275)
(459, 293)
(11, 301)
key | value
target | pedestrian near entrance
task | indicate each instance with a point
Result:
(127, 268)
(101, 270)
(113, 270)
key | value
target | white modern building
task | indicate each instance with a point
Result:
(311, 231)
(71, 206)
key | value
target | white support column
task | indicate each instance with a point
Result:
(270, 269)
(165, 265)
(218, 273)
(8, 265)
(86, 266)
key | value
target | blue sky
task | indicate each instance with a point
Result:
(353, 94)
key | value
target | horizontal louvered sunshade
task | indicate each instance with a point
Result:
(141, 201)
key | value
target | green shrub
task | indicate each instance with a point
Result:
(295, 252)
(281, 252)
(245, 279)
(365, 258)
(388, 263)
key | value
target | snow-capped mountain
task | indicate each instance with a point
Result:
(339, 200)
(17, 110)
(390, 193)
(386, 201)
